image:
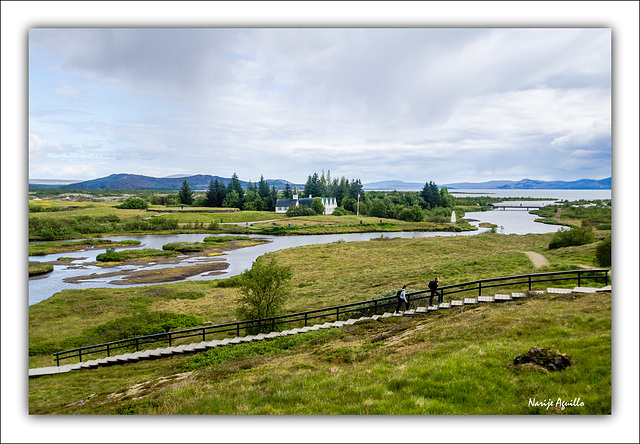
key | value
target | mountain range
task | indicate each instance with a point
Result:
(200, 182)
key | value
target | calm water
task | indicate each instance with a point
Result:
(508, 221)
(570, 195)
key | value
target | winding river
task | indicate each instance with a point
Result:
(509, 222)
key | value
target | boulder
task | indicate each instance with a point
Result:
(552, 360)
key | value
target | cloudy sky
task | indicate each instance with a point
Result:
(412, 104)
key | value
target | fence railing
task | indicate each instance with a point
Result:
(364, 308)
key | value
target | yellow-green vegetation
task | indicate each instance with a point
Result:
(44, 248)
(454, 362)
(118, 256)
(38, 268)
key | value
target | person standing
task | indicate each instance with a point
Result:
(433, 286)
(402, 297)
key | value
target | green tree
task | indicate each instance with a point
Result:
(431, 195)
(211, 194)
(264, 290)
(231, 200)
(317, 206)
(263, 188)
(186, 193)
(288, 194)
(235, 185)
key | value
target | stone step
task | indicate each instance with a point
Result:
(605, 288)
(559, 290)
(432, 308)
(386, 315)
(410, 312)
(518, 295)
(470, 301)
(421, 310)
(486, 299)
(503, 297)
(445, 305)
(457, 303)
(587, 290)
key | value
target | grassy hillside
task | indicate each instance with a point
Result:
(454, 362)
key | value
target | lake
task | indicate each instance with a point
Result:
(509, 222)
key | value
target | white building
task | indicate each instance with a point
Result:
(282, 205)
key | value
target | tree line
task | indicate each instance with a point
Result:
(431, 203)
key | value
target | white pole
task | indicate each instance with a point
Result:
(358, 211)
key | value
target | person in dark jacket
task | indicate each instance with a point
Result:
(402, 297)
(433, 286)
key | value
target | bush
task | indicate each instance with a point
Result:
(300, 210)
(571, 237)
(603, 253)
(132, 203)
(341, 212)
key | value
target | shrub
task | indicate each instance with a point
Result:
(603, 253)
(341, 212)
(573, 236)
(133, 203)
(300, 210)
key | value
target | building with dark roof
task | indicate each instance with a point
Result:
(282, 205)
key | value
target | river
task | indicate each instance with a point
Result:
(508, 221)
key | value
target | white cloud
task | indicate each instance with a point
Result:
(284, 102)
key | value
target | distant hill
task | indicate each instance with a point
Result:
(199, 182)
(391, 185)
(529, 184)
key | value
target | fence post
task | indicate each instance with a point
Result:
(137, 345)
(579, 279)
(606, 277)
(169, 339)
(529, 282)
(375, 307)
(58, 360)
(337, 313)
(479, 288)
(108, 352)
(305, 319)
(238, 328)
(80, 354)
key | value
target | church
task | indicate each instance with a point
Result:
(282, 205)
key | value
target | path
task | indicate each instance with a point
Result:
(537, 259)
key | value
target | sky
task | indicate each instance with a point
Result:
(414, 104)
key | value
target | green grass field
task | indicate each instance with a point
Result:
(455, 362)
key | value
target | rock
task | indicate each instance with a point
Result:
(552, 360)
